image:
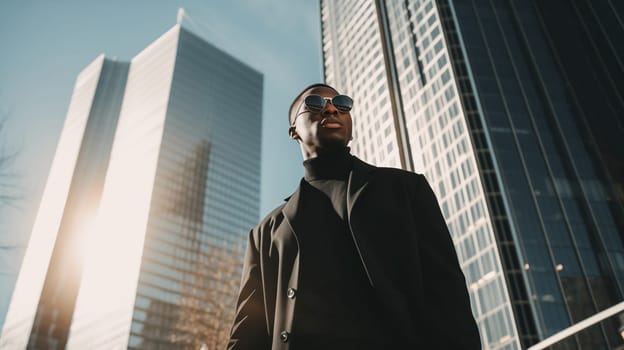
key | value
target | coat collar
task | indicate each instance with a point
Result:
(290, 208)
(358, 180)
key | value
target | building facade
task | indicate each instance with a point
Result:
(496, 103)
(179, 188)
(70, 198)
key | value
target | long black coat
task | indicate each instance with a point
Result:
(405, 249)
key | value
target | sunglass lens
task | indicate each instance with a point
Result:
(343, 103)
(314, 102)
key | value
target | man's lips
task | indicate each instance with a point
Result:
(331, 124)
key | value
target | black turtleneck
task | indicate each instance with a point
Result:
(329, 173)
(336, 305)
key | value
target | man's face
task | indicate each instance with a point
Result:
(326, 129)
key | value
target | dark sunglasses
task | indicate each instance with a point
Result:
(316, 103)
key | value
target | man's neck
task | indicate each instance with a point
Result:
(329, 165)
(327, 151)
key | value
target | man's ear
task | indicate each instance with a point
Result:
(292, 132)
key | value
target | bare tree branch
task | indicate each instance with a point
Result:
(9, 194)
(207, 307)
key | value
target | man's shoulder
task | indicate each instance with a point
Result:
(276, 212)
(398, 172)
(386, 178)
(272, 217)
(392, 172)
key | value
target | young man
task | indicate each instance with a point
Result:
(359, 257)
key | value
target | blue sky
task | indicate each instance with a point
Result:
(45, 44)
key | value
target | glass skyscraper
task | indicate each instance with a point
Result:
(514, 112)
(158, 242)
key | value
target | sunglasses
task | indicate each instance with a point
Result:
(316, 103)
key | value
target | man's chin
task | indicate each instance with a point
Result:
(334, 143)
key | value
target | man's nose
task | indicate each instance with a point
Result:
(329, 108)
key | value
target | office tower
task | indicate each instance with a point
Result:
(497, 103)
(48, 281)
(181, 190)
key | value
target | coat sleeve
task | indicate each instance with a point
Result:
(447, 303)
(249, 330)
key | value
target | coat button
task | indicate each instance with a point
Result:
(290, 293)
(284, 336)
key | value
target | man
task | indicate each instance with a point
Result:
(359, 257)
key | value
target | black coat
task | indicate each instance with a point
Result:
(405, 249)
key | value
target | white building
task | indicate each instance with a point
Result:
(129, 226)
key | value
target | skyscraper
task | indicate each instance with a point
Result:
(178, 190)
(513, 110)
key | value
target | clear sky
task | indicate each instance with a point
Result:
(45, 44)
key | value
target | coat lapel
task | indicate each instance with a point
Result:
(290, 209)
(358, 180)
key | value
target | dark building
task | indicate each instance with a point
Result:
(537, 90)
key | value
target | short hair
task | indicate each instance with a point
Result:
(294, 104)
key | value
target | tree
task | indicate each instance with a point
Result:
(8, 188)
(10, 252)
(207, 307)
